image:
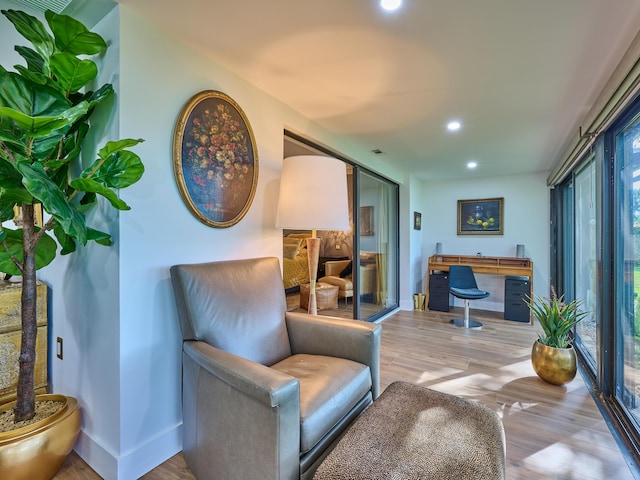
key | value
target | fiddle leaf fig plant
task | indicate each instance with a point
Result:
(45, 116)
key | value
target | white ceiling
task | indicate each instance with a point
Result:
(518, 74)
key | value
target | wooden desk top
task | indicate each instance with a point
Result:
(521, 267)
(489, 265)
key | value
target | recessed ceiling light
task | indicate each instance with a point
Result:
(390, 4)
(454, 125)
(472, 165)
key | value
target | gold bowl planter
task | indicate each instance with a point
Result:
(37, 451)
(554, 365)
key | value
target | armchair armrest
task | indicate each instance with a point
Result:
(337, 337)
(262, 383)
(241, 406)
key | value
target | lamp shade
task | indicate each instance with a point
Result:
(313, 194)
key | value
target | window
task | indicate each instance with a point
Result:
(627, 268)
(597, 211)
(585, 266)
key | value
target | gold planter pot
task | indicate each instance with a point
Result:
(554, 365)
(37, 451)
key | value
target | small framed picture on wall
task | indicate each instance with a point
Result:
(417, 221)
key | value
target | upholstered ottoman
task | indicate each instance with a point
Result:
(411, 432)
(326, 296)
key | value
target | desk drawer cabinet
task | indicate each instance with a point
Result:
(439, 292)
(516, 290)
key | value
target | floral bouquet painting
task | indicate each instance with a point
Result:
(218, 163)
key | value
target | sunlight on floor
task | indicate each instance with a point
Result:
(564, 462)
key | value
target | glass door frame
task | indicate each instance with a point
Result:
(357, 168)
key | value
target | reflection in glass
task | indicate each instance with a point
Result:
(378, 251)
(628, 268)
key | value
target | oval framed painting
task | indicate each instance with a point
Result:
(215, 160)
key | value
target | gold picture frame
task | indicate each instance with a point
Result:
(481, 216)
(215, 160)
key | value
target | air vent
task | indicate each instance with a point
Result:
(42, 5)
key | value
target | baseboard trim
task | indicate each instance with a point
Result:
(134, 463)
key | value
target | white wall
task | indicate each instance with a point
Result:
(160, 231)
(114, 307)
(526, 221)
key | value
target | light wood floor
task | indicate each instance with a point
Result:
(552, 432)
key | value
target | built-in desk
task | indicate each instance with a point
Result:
(507, 266)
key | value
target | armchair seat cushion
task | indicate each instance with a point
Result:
(329, 387)
(345, 285)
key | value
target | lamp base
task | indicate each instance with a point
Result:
(313, 256)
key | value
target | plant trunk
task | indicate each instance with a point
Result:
(26, 400)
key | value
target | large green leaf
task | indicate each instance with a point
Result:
(10, 135)
(35, 62)
(22, 94)
(121, 169)
(37, 78)
(99, 95)
(53, 200)
(118, 145)
(12, 247)
(42, 126)
(6, 213)
(14, 196)
(9, 176)
(33, 30)
(72, 36)
(67, 243)
(99, 237)
(90, 185)
(36, 109)
(71, 149)
(72, 73)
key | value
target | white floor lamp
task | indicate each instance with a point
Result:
(313, 196)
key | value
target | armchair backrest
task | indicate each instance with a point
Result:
(237, 306)
(461, 276)
(332, 268)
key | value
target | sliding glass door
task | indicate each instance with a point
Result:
(627, 267)
(378, 245)
(365, 258)
(597, 210)
(585, 264)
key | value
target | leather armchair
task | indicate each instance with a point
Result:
(332, 269)
(345, 285)
(266, 392)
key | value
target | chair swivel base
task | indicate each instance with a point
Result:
(459, 322)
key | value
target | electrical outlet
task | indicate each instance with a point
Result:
(59, 348)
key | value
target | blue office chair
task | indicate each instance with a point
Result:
(462, 284)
